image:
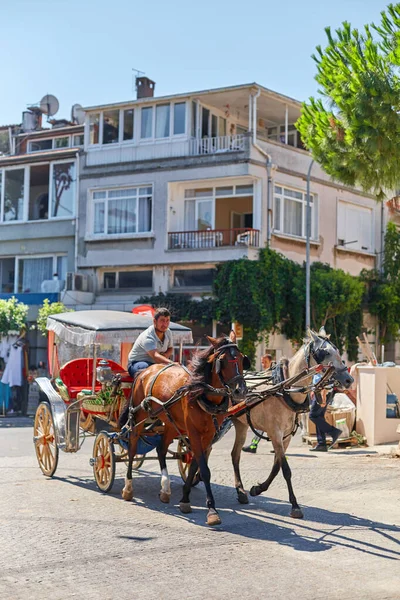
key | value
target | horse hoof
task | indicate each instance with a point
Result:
(242, 497)
(213, 519)
(185, 507)
(164, 497)
(127, 495)
(297, 513)
(255, 490)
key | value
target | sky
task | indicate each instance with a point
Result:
(84, 51)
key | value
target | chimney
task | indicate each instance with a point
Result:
(144, 87)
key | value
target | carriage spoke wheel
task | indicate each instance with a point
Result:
(121, 455)
(184, 462)
(44, 438)
(103, 462)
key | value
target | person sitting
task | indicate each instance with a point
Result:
(266, 362)
(154, 345)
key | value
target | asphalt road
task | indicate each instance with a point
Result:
(62, 538)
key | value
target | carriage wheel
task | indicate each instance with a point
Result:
(184, 462)
(44, 438)
(103, 462)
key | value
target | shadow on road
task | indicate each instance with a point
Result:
(264, 518)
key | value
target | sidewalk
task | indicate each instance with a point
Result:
(11, 421)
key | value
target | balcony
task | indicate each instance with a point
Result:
(213, 238)
(31, 298)
(160, 149)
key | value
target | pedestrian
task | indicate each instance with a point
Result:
(266, 362)
(319, 404)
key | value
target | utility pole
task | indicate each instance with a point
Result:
(308, 235)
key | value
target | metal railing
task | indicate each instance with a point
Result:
(217, 145)
(214, 238)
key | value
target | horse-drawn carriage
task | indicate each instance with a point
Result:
(88, 388)
(90, 393)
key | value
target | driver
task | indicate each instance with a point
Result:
(154, 345)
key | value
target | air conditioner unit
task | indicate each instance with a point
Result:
(77, 282)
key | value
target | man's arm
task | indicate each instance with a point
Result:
(159, 358)
(168, 353)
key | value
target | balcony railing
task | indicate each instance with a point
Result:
(213, 238)
(217, 145)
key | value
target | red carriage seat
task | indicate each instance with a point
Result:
(77, 375)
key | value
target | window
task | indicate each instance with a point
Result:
(162, 120)
(63, 190)
(146, 130)
(94, 128)
(355, 227)
(179, 118)
(128, 117)
(125, 210)
(290, 212)
(132, 280)
(33, 271)
(61, 142)
(78, 139)
(7, 275)
(194, 278)
(14, 188)
(110, 126)
(39, 192)
(40, 145)
(194, 119)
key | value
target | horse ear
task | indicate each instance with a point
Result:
(312, 335)
(322, 333)
(232, 336)
(212, 341)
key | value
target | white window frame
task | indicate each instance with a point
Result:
(20, 257)
(362, 208)
(139, 234)
(117, 271)
(25, 209)
(313, 208)
(53, 143)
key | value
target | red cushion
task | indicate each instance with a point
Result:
(77, 374)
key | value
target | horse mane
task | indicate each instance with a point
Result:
(200, 368)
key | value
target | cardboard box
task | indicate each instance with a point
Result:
(331, 416)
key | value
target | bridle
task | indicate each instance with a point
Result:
(228, 384)
(319, 354)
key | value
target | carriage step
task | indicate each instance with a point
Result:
(349, 442)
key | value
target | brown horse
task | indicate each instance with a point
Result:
(196, 415)
(278, 420)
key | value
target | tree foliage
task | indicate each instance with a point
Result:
(49, 308)
(383, 288)
(13, 315)
(353, 130)
(183, 307)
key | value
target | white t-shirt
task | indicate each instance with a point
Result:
(147, 341)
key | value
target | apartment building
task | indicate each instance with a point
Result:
(165, 188)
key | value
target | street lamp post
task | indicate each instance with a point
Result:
(308, 235)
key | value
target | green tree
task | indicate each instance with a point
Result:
(13, 315)
(49, 308)
(383, 288)
(353, 130)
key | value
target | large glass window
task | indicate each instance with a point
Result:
(110, 126)
(194, 278)
(14, 195)
(146, 130)
(63, 190)
(162, 120)
(125, 210)
(94, 128)
(40, 145)
(32, 272)
(290, 212)
(179, 118)
(61, 142)
(132, 280)
(128, 124)
(39, 192)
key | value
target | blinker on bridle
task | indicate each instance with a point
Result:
(217, 359)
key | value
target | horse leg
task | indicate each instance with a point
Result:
(162, 448)
(127, 491)
(279, 455)
(240, 437)
(184, 504)
(296, 511)
(200, 451)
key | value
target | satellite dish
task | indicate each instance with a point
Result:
(77, 114)
(49, 105)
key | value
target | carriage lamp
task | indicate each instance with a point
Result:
(104, 372)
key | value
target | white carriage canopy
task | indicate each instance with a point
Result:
(89, 327)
